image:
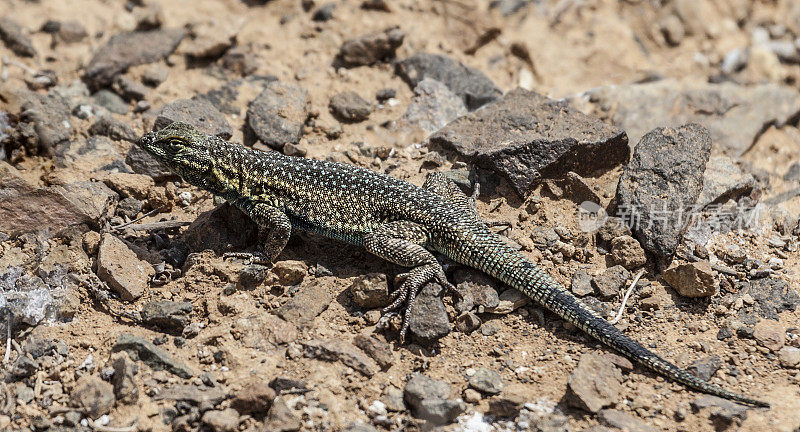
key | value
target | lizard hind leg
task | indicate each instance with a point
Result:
(439, 184)
(401, 242)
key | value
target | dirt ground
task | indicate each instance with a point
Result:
(572, 47)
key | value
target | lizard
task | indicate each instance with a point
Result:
(390, 218)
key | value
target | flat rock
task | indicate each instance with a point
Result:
(263, 331)
(695, 279)
(370, 291)
(659, 185)
(167, 315)
(119, 267)
(724, 180)
(142, 163)
(199, 113)
(429, 321)
(93, 395)
(130, 49)
(347, 354)
(486, 381)
(223, 229)
(433, 106)
(735, 115)
(594, 384)
(153, 356)
(581, 283)
(350, 107)
(15, 38)
(525, 136)
(129, 184)
(210, 39)
(475, 88)
(306, 305)
(276, 116)
(371, 48)
(624, 421)
(379, 350)
(610, 282)
(27, 208)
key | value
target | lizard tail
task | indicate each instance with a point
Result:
(511, 267)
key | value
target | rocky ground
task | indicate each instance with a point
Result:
(678, 119)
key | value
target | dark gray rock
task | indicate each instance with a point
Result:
(233, 96)
(197, 112)
(661, 184)
(129, 49)
(724, 180)
(167, 315)
(371, 48)
(23, 367)
(736, 115)
(278, 113)
(50, 116)
(610, 282)
(429, 320)
(347, 354)
(594, 384)
(476, 290)
(223, 229)
(468, 83)
(142, 350)
(125, 388)
(129, 89)
(110, 101)
(612, 228)
(370, 291)
(706, 367)
(433, 106)
(113, 128)
(324, 12)
(141, 162)
(772, 296)
(429, 400)
(15, 38)
(487, 381)
(350, 107)
(129, 207)
(509, 138)
(581, 283)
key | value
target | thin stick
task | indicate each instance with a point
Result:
(158, 225)
(150, 213)
(627, 295)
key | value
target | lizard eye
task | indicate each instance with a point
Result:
(174, 145)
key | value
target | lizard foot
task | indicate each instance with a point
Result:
(404, 297)
(249, 257)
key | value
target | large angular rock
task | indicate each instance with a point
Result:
(594, 384)
(525, 136)
(772, 296)
(119, 267)
(735, 115)
(199, 113)
(429, 400)
(429, 321)
(661, 184)
(278, 113)
(27, 208)
(129, 49)
(475, 88)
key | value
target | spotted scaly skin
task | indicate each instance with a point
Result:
(391, 218)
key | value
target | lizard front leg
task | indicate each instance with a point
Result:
(401, 242)
(274, 229)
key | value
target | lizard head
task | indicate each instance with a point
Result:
(188, 152)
